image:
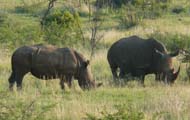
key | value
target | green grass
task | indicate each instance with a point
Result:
(46, 97)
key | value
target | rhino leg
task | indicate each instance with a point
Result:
(122, 74)
(62, 81)
(11, 81)
(81, 84)
(158, 77)
(114, 72)
(141, 75)
(18, 78)
(69, 80)
(142, 80)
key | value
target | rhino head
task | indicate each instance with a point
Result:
(85, 78)
(168, 73)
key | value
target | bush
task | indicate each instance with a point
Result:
(62, 27)
(178, 9)
(128, 17)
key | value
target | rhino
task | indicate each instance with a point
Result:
(138, 57)
(49, 62)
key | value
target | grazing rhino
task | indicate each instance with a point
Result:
(49, 62)
(139, 57)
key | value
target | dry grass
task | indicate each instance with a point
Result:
(155, 100)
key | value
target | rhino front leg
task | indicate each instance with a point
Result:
(62, 81)
(141, 76)
(142, 80)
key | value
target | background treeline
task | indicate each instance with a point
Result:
(70, 22)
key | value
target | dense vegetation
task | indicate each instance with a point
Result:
(71, 23)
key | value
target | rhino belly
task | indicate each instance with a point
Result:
(45, 73)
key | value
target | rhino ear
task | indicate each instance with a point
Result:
(86, 63)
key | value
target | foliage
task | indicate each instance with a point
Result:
(172, 41)
(178, 9)
(3, 17)
(134, 12)
(21, 110)
(14, 33)
(129, 17)
(32, 8)
(62, 27)
(123, 113)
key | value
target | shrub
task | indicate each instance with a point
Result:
(128, 17)
(62, 27)
(178, 9)
(129, 20)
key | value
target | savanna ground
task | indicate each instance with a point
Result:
(41, 100)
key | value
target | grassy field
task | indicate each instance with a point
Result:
(44, 100)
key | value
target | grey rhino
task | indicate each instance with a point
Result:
(49, 62)
(139, 57)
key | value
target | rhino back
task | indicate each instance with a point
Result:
(55, 61)
(45, 60)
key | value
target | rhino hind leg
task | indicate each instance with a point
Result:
(11, 81)
(16, 77)
(19, 74)
(19, 79)
(114, 72)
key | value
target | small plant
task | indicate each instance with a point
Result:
(123, 113)
(29, 8)
(3, 17)
(178, 9)
(129, 17)
(172, 41)
(20, 110)
(129, 20)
